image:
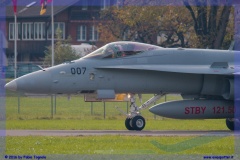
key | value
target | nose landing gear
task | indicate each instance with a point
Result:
(134, 120)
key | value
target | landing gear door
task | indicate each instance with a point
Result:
(105, 94)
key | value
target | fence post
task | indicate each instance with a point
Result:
(91, 108)
(18, 103)
(155, 117)
(51, 106)
(104, 110)
(55, 103)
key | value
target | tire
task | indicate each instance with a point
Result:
(127, 124)
(138, 123)
(230, 124)
(233, 125)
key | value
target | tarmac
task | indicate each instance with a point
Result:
(120, 132)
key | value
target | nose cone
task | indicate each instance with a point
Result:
(38, 82)
(12, 86)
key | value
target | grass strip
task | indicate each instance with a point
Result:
(207, 145)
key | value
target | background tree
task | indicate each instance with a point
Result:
(206, 25)
(145, 23)
(211, 18)
(63, 51)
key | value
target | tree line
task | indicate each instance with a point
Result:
(186, 23)
(168, 23)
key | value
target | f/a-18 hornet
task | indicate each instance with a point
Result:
(204, 78)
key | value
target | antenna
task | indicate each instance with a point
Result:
(27, 6)
(30, 4)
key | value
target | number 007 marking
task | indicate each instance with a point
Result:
(78, 70)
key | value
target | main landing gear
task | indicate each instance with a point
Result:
(134, 120)
(233, 124)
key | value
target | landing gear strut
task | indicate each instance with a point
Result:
(134, 120)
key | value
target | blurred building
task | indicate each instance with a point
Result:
(76, 18)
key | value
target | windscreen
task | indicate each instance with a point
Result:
(121, 49)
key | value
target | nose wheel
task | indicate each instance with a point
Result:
(136, 123)
(128, 124)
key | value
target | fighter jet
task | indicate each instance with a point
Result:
(204, 78)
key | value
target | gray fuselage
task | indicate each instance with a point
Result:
(87, 75)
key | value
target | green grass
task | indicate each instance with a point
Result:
(35, 113)
(75, 114)
(117, 145)
(73, 108)
(39, 108)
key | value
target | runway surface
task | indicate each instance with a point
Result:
(117, 132)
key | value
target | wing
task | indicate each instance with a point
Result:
(193, 69)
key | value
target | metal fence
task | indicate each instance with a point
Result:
(72, 107)
(22, 68)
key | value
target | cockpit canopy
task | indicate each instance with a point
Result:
(121, 49)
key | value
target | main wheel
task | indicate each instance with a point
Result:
(128, 124)
(230, 124)
(138, 123)
(233, 124)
